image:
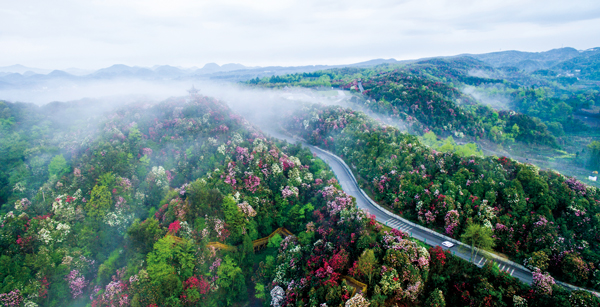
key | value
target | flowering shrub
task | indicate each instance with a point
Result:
(174, 227)
(542, 282)
(159, 177)
(289, 191)
(451, 221)
(251, 182)
(357, 301)
(22, 204)
(247, 209)
(113, 295)
(194, 289)
(12, 298)
(424, 185)
(76, 282)
(576, 185)
(277, 296)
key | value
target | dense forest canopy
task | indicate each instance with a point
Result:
(530, 211)
(506, 110)
(163, 205)
(186, 203)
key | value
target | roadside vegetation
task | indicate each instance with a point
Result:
(528, 210)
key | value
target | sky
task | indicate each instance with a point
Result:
(92, 34)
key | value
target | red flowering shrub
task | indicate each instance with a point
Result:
(174, 227)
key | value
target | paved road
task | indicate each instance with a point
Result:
(430, 237)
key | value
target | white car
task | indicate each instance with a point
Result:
(447, 244)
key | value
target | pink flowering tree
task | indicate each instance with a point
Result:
(289, 191)
(451, 221)
(113, 295)
(12, 298)
(544, 233)
(251, 182)
(542, 282)
(76, 282)
(405, 265)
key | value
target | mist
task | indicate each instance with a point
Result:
(93, 98)
(497, 102)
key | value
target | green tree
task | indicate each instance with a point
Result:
(297, 216)
(275, 241)
(234, 218)
(57, 166)
(144, 235)
(106, 269)
(515, 130)
(134, 137)
(171, 261)
(367, 264)
(436, 299)
(594, 160)
(260, 291)
(479, 237)
(247, 250)
(99, 203)
(539, 260)
(231, 281)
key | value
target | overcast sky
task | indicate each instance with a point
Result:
(92, 34)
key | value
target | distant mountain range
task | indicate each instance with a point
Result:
(531, 61)
(19, 76)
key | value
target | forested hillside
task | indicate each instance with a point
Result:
(162, 205)
(176, 203)
(536, 217)
(548, 116)
(123, 216)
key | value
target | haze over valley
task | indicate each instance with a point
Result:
(339, 154)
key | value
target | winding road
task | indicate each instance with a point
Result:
(429, 237)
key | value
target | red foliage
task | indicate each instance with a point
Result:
(339, 261)
(398, 233)
(503, 160)
(354, 271)
(201, 285)
(42, 217)
(372, 220)
(224, 234)
(161, 212)
(438, 256)
(43, 292)
(174, 227)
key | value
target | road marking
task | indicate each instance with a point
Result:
(480, 261)
(503, 267)
(511, 272)
(485, 261)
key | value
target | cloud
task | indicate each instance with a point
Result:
(94, 34)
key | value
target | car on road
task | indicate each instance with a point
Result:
(447, 244)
